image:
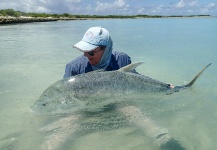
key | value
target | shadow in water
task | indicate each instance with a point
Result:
(172, 144)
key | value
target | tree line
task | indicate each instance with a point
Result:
(13, 13)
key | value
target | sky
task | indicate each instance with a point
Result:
(114, 7)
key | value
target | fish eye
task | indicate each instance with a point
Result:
(44, 104)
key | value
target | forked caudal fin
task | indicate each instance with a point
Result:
(193, 80)
(131, 68)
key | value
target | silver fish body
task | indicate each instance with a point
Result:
(98, 87)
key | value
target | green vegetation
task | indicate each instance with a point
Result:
(13, 13)
(10, 12)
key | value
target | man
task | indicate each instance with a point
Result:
(97, 47)
(98, 54)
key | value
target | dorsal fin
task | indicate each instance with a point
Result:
(130, 67)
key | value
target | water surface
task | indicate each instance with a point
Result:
(34, 55)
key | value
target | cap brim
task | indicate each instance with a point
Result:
(84, 46)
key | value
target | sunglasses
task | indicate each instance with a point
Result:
(91, 53)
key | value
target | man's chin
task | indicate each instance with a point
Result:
(92, 63)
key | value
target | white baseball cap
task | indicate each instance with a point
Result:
(93, 38)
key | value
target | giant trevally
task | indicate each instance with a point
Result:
(98, 88)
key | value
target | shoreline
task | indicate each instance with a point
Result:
(18, 20)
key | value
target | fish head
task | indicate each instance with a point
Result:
(54, 101)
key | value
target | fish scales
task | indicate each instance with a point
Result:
(111, 83)
(99, 88)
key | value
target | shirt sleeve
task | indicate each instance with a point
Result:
(123, 60)
(77, 66)
(68, 71)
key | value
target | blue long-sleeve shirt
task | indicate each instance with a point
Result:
(81, 64)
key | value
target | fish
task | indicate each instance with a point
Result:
(99, 88)
(94, 90)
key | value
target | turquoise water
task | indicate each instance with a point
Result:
(33, 56)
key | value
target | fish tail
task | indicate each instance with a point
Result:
(197, 76)
(177, 88)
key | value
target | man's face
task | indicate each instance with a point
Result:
(94, 56)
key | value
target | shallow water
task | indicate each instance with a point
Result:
(33, 56)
